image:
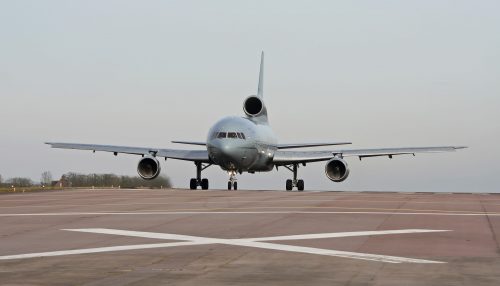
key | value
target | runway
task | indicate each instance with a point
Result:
(184, 237)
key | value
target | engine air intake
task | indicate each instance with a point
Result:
(148, 168)
(336, 170)
(253, 106)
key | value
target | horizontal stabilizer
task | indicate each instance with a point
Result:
(190, 143)
(304, 145)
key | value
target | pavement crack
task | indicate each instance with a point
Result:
(493, 234)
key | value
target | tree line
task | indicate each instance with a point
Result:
(89, 180)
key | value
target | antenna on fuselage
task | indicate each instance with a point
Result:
(260, 89)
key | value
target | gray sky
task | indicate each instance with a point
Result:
(143, 73)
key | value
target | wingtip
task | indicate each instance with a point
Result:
(461, 147)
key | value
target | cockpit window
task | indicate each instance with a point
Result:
(232, 135)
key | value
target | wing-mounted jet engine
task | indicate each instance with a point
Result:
(336, 170)
(148, 168)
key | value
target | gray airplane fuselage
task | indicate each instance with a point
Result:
(254, 153)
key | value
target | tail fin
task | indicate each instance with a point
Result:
(260, 89)
(254, 106)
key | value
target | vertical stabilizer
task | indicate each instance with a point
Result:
(260, 89)
(254, 106)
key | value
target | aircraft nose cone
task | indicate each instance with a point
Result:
(228, 152)
(221, 146)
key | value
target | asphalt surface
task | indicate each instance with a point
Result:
(183, 237)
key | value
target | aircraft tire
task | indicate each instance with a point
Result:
(235, 186)
(229, 186)
(204, 184)
(300, 185)
(289, 185)
(192, 184)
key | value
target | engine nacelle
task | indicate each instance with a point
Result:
(336, 170)
(253, 106)
(148, 168)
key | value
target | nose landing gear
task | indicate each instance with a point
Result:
(198, 181)
(290, 184)
(232, 184)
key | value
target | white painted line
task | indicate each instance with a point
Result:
(246, 212)
(97, 250)
(257, 242)
(144, 234)
(344, 254)
(343, 234)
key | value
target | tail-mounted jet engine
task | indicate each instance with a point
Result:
(336, 170)
(148, 168)
(253, 106)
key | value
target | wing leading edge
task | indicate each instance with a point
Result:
(290, 157)
(303, 145)
(187, 155)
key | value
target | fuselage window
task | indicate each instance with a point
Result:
(231, 135)
(221, 135)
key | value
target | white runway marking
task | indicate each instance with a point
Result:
(248, 242)
(223, 202)
(249, 212)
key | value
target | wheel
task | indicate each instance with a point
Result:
(300, 185)
(235, 186)
(204, 184)
(229, 186)
(192, 184)
(289, 185)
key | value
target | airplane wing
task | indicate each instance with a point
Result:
(291, 157)
(187, 155)
(302, 145)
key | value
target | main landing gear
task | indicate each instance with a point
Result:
(232, 184)
(198, 181)
(290, 184)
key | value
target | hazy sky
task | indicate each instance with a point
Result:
(143, 73)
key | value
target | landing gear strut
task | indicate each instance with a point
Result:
(290, 184)
(198, 181)
(232, 184)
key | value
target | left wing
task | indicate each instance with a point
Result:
(302, 145)
(291, 157)
(187, 155)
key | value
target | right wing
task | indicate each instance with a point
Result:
(292, 157)
(187, 155)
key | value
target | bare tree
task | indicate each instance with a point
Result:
(46, 178)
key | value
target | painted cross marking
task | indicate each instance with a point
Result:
(261, 242)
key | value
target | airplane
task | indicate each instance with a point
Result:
(248, 144)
